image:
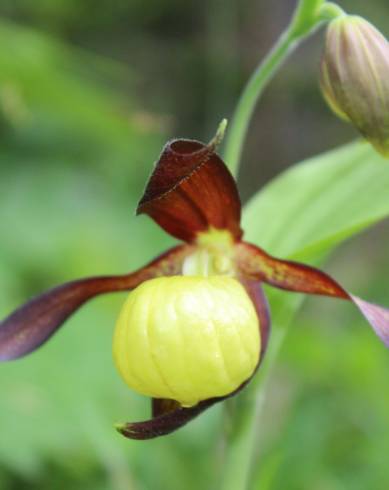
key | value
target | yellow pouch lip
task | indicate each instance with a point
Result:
(187, 338)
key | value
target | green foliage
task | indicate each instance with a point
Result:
(306, 213)
(60, 105)
(73, 163)
(312, 207)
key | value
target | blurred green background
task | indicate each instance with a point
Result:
(88, 95)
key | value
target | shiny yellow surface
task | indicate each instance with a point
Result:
(187, 338)
(214, 255)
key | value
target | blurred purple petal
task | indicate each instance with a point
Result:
(33, 323)
(377, 316)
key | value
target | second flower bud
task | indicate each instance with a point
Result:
(355, 77)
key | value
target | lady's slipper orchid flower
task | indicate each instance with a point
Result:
(196, 325)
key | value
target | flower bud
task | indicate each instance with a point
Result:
(355, 77)
(187, 338)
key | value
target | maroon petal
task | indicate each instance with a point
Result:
(35, 322)
(166, 423)
(191, 190)
(170, 420)
(255, 263)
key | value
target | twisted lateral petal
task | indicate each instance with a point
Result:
(168, 415)
(190, 191)
(255, 263)
(35, 322)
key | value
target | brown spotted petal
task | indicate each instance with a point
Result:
(35, 322)
(168, 415)
(293, 276)
(191, 190)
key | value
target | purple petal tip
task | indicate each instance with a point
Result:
(377, 316)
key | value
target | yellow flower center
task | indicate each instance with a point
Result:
(187, 338)
(214, 255)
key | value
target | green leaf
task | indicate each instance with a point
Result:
(305, 213)
(315, 205)
(312, 207)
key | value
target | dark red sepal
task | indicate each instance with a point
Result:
(35, 322)
(166, 423)
(255, 263)
(170, 420)
(191, 190)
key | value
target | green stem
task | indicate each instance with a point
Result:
(243, 412)
(244, 419)
(249, 97)
(304, 21)
(330, 11)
